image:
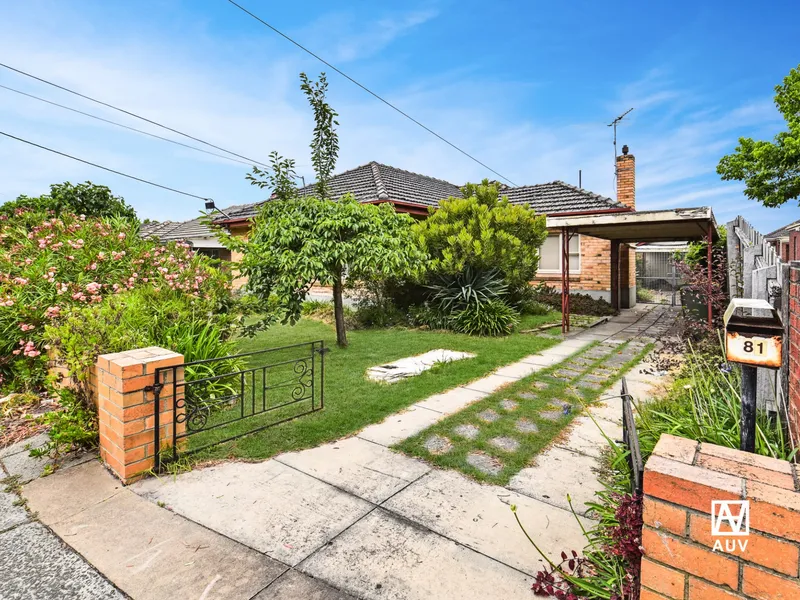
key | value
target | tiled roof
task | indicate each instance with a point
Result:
(182, 230)
(558, 197)
(783, 231)
(375, 182)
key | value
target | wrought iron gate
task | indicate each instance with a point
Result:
(630, 437)
(657, 275)
(221, 399)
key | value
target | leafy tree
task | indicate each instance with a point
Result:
(771, 170)
(325, 143)
(484, 232)
(280, 178)
(294, 244)
(82, 199)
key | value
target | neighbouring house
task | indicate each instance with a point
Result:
(416, 194)
(786, 241)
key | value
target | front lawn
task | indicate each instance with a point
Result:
(351, 401)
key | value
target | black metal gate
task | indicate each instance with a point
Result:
(221, 399)
(657, 277)
(630, 437)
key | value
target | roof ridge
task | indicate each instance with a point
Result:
(380, 187)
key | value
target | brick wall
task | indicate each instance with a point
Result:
(681, 479)
(792, 348)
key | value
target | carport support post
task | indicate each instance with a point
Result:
(564, 280)
(615, 245)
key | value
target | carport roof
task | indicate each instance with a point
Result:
(678, 224)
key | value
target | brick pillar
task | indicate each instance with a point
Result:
(683, 559)
(127, 413)
(792, 348)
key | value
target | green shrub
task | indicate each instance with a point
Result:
(580, 304)
(72, 427)
(430, 316)
(493, 317)
(484, 231)
(645, 295)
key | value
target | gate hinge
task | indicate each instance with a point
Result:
(155, 388)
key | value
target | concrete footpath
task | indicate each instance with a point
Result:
(349, 519)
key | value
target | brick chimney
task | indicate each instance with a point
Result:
(626, 178)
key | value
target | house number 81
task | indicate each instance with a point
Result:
(756, 348)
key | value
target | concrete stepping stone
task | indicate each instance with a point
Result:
(590, 384)
(509, 404)
(486, 464)
(527, 396)
(488, 416)
(540, 385)
(581, 362)
(551, 415)
(566, 374)
(467, 431)
(594, 377)
(526, 426)
(437, 444)
(505, 443)
(565, 406)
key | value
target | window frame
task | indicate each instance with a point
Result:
(572, 270)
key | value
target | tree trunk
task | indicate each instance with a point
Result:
(338, 312)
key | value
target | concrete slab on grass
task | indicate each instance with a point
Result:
(608, 410)
(556, 473)
(295, 585)
(542, 360)
(362, 468)
(36, 564)
(67, 492)
(586, 438)
(451, 401)
(480, 517)
(267, 506)
(152, 554)
(384, 556)
(399, 426)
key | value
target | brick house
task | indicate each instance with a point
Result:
(785, 241)
(416, 194)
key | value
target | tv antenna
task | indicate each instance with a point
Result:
(614, 125)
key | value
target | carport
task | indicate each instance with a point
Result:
(674, 225)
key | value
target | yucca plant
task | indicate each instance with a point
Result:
(470, 288)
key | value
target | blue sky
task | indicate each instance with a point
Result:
(527, 87)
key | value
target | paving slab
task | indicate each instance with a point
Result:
(608, 410)
(479, 516)
(362, 468)
(490, 383)
(294, 585)
(586, 437)
(385, 556)
(151, 553)
(467, 431)
(556, 473)
(268, 506)
(36, 441)
(399, 426)
(542, 360)
(518, 370)
(27, 468)
(484, 463)
(437, 444)
(67, 492)
(35, 564)
(451, 401)
(11, 514)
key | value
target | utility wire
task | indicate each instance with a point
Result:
(153, 135)
(86, 162)
(369, 91)
(127, 112)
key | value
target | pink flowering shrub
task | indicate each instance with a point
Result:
(50, 266)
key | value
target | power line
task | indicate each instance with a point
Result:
(127, 112)
(153, 135)
(369, 91)
(86, 162)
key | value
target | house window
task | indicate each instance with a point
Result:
(550, 254)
